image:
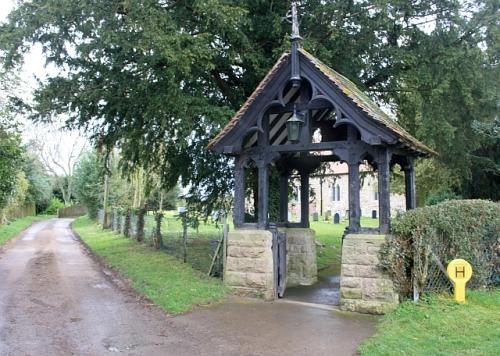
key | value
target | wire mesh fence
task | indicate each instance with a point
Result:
(199, 247)
(437, 280)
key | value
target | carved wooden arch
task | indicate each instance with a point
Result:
(374, 133)
(343, 118)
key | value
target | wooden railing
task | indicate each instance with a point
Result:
(72, 211)
(21, 212)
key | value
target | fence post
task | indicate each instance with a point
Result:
(118, 221)
(126, 227)
(157, 238)
(225, 234)
(140, 224)
(416, 294)
(184, 234)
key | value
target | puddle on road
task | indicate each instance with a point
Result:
(325, 291)
(101, 286)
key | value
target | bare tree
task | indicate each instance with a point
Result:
(59, 152)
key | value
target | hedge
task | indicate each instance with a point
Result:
(468, 229)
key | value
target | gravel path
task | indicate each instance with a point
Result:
(56, 300)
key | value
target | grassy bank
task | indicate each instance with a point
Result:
(330, 235)
(169, 283)
(14, 228)
(439, 326)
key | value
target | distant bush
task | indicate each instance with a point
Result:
(55, 205)
(441, 196)
(468, 229)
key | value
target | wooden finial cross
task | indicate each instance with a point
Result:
(293, 18)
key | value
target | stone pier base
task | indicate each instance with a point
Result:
(249, 263)
(301, 267)
(364, 287)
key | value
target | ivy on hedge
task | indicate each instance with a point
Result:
(468, 229)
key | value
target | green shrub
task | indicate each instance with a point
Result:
(441, 196)
(468, 229)
(55, 205)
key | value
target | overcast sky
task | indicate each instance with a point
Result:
(34, 67)
(34, 63)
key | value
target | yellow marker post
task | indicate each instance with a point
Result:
(459, 271)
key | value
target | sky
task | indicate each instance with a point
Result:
(34, 67)
(34, 63)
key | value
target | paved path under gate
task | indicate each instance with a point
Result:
(56, 300)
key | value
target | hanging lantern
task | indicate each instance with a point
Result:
(293, 127)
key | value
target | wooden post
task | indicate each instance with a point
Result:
(160, 205)
(263, 196)
(239, 192)
(354, 201)
(304, 198)
(384, 199)
(225, 232)
(321, 196)
(284, 175)
(411, 197)
(106, 194)
(184, 235)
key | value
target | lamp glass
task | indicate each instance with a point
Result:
(293, 126)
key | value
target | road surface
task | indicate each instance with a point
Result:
(56, 300)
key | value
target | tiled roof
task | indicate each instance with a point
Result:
(366, 104)
(360, 99)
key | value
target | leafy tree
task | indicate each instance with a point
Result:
(441, 196)
(485, 179)
(10, 159)
(158, 199)
(16, 199)
(59, 152)
(88, 182)
(159, 78)
(10, 142)
(39, 187)
(121, 191)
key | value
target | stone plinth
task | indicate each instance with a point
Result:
(364, 287)
(301, 267)
(249, 263)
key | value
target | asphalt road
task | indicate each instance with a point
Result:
(56, 300)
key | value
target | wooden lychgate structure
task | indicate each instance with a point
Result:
(330, 120)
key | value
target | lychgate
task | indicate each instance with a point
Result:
(302, 114)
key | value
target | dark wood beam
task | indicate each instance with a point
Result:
(304, 198)
(354, 200)
(239, 192)
(311, 163)
(321, 146)
(384, 198)
(284, 176)
(410, 190)
(263, 204)
(288, 108)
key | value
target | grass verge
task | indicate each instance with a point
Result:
(11, 230)
(174, 286)
(439, 326)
